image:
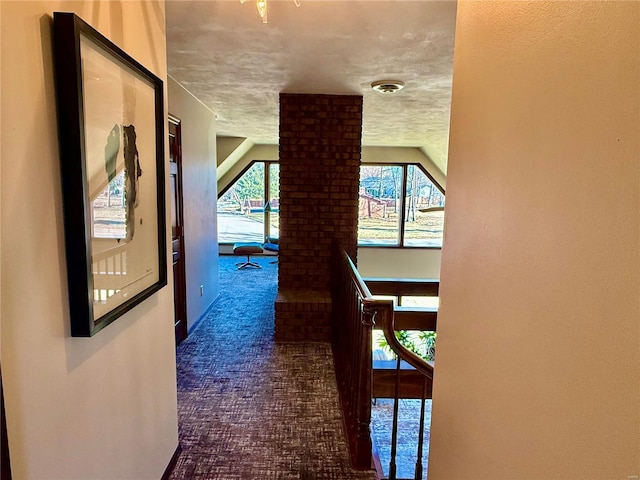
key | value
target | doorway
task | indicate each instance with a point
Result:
(177, 229)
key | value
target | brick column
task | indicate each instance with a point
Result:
(320, 147)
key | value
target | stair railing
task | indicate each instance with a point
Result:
(355, 312)
(385, 321)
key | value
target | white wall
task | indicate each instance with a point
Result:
(538, 362)
(199, 198)
(77, 408)
(399, 262)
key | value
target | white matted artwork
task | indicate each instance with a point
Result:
(119, 187)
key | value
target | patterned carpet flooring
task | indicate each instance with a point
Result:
(252, 409)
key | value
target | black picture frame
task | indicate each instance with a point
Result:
(111, 135)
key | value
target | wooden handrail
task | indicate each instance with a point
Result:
(355, 311)
(428, 287)
(415, 318)
(384, 319)
(351, 342)
(359, 283)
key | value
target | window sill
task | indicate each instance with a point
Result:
(405, 247)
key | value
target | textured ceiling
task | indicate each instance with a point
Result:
(224, 55)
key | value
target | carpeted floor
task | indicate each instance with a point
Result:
(252, 409)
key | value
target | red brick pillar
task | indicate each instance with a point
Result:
(320, 147)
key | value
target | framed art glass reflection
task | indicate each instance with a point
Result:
(111, 131)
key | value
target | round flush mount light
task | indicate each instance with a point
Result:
(387, 86)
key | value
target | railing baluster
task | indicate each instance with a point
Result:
(418, 473)
(394, 431)
(352, 329)
(354, 313)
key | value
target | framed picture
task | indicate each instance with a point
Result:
(111, 131)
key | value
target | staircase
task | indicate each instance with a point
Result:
(356, 312)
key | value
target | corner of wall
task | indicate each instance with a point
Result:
(199, 199)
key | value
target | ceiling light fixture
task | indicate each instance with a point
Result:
(261, 5)
(387, 86)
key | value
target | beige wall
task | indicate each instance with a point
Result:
(399, 262)
(538, 364)
(199, 198)
(77, 408)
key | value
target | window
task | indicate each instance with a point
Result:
(247, 210)
(379, 205)
(273, 208)
(422, 229)
(399, 205)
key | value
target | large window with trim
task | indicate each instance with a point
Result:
(249, 208)
(400, 205)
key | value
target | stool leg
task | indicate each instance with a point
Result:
(248, 263)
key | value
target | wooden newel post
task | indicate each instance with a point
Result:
(363, 435)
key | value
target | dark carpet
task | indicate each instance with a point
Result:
(252, 409)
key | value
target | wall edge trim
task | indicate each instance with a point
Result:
(206, 312)
(172, 463)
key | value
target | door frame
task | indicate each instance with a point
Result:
(180, 279)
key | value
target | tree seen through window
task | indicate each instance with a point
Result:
(398, 205)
